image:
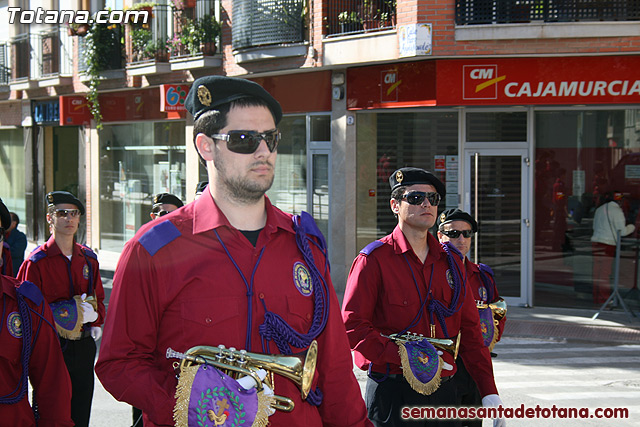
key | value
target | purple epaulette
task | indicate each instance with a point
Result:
(31, 291)
(37, 254)
(485, 268)
(89, 252)
(159, 236)
(371, 247)
(453, 249)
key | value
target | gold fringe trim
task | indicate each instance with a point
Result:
(75, 333)
(496, 332)
(415, 384)
(183, 394)
(264, 410)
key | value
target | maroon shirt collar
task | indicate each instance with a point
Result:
(402, 245)
(52, 249)
(208, 216)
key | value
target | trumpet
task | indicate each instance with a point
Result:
(444, 344)
(299, 368)
(499, 308)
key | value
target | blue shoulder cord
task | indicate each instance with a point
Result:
(434, 305)
(487, 284)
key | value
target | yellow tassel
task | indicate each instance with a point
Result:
(420, 387)
(183, 394)
(496, 332)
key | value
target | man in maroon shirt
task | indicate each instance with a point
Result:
(457, 226)
(26, 316)
(230, 269)
(68, 275)
(408, 282)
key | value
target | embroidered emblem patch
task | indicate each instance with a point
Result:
(482, 292)
(85, 272)
(302, 279)
(14, 324)
(450, 278)
(204, 96)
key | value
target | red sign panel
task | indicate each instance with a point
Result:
(392, 86)
(172, 97)
(535, 81)
(300, 93)
(74, 111)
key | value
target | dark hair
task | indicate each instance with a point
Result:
(212, 121)
(398, 192)
(15, 217)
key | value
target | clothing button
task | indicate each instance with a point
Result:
(208, 320)
(261, 295)
(308, 316)
(404, 302)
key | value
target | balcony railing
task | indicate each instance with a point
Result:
(267, 22)
(4, 65)
(196, 32)
(148, 42)
(346, 17)
(20, 56)
(471, 12)
(111, 55)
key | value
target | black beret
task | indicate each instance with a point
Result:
(201, 186)
(456, 214)
(210, 92)
(5, 217)
(167, 198)
(411, 176)
(60, 197)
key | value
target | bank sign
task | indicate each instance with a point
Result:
(539, 81)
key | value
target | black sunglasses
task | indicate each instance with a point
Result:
(454, 234)
(62, 213)
(248, 141)
(161, 213)
(418, 197)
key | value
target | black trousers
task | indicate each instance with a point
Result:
(467, 391)
(79, 356)
(386, 399)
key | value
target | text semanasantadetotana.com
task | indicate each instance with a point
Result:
(425, 413)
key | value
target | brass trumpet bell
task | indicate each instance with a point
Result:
(499, 308)
(299, 368)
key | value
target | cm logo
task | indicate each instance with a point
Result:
(480, 82)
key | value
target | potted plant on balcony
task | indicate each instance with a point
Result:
(369, 12)
(349, 21)
(208, 29)
(140, 40)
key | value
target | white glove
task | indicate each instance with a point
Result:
(88, 313)
(494, 401)
(247, 382)
(96, 332)
(445, 365)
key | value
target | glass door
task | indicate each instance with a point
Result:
(495, 195)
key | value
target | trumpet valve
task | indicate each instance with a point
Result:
(220, 353)
(242, 359)
(231, 355)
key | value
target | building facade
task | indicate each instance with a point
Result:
(529, 111)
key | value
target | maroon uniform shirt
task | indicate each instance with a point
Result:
(480, 292)
(7, 262)
(175, 286)
(382, 297)
(52, 272)
(47, 372)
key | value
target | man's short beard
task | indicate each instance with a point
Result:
(241, 190)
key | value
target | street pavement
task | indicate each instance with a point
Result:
(548, 356)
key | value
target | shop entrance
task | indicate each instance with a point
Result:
(495, 189)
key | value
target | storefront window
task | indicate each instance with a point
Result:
(12, 172)
(388, 141)
(289, 190)
(137, 161)
(583, 160)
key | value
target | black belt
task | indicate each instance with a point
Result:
(378, 376)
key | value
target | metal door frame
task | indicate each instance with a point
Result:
(318, 148)
(526, 224)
